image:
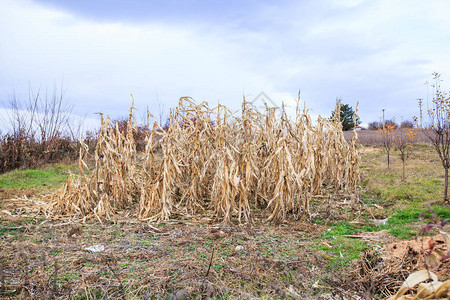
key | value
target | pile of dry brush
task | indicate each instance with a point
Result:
(213, 162)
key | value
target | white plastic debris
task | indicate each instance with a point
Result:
(380, 222)
(95, 248)
(239, 248)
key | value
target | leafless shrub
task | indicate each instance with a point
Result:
(407, 124)
(39, 131)
(439, 134)
(375, 125)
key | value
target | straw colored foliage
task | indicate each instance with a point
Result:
(215, 163)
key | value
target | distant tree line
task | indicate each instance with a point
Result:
(391, 123)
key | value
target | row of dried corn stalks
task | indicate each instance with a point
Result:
(214, 162)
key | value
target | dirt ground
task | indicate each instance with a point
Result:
(138, 259)
(45, 259)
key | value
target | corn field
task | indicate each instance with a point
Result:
(214, 163)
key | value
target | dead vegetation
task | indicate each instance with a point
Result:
(388, 273)
(215, 162)
(50, 260)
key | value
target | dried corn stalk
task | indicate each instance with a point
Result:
(114, 182)
(215, 162)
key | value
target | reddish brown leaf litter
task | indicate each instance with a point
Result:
(420, 247)
(383, 273)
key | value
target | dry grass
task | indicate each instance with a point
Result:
(214, 162)
(49, 260)
(372, 137)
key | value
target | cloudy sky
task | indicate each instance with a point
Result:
(379, 53)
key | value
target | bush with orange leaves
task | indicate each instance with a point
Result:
(403, 143)
(387, 134)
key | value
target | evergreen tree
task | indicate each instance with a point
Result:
(347, 117)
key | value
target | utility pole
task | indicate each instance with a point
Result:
(383, 118)
(420, 110)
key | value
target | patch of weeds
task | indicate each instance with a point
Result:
(343, 249)
(9, 231)
(402, 232)
(318, 221)
(67, 277)
(399, 192)
(287, 277)
(346, 250)
(20, 238)
(341, 228)
(442, 212)
(372, 200)
(224, 251)
(413, 214)
(404, 217)
(397, 224)
(323, 248)
(89, 294)
(218, 268)
(55, 252)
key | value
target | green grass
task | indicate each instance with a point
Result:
(403, 201)
(398, 225)
(402, 232)
(346, 250)
(423, 182)
(343, 251)
(406, 216)
(398, 222)
(47, 178)
(412, 189)
(442, 211)
(339, 229)
(414, 214)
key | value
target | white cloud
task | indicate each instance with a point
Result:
(107, 61)
(375, 52)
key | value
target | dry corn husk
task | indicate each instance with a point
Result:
(430, 290)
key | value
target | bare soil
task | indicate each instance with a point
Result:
(44, 258)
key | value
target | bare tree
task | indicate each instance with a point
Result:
(403, 142)
(16, 121)
(439, 134)
(161, 112)
(41, 117)
(387, 134)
